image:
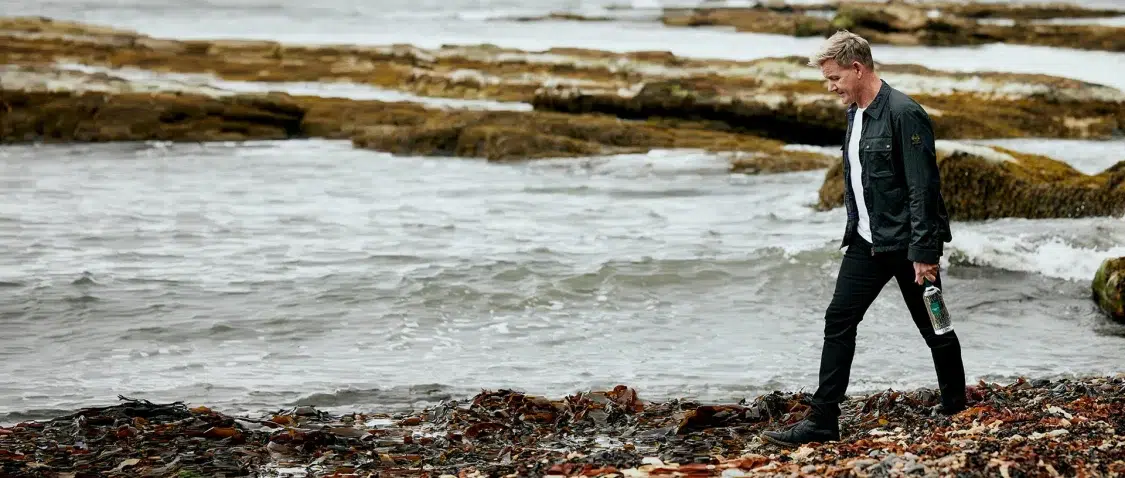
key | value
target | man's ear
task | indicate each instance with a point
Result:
(858, 69)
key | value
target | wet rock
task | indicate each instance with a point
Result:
(755, 19)
(504, 433)
(917, 23)
(1109, 287)
(494, 143)
(92, 116)
(89, 107)
(985, 182)
(502, 136)
(779, 98)
(803, 113)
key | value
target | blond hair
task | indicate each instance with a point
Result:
(844, 47)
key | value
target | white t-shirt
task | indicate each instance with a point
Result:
(856, 173)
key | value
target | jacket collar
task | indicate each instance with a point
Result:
(875, 109)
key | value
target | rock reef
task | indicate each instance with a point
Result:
(792, 106)
(1109, 288)
(53, 105)
(1068, 427)
(779, 98)
(987, 182)
(513, 136)
(918, 23)
(106, 109)
(586, 102)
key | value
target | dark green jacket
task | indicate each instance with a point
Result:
(901, 185)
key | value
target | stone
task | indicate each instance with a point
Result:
(505, 136)
(777, 98)
(51, 105)
(803, 113)
(978, 184)
(916, 23)
(759, 20)
(1109, 288)
(96, 117)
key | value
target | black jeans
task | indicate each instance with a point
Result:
(862, 277)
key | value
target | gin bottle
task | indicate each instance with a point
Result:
(935, 306)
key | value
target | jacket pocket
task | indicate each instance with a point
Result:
(876, 155)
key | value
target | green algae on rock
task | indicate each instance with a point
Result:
(987, 182)
(1109, 288)
(781, 98)
(53, 105)
(916, 23)
(502, 135)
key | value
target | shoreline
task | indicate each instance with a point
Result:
(1062, 427)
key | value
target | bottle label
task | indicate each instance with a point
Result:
(935, 307)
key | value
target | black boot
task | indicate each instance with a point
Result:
(808, 430)
(948, 410)
(950, 374)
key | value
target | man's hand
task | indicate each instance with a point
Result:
(928, 271)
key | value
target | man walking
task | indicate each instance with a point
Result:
(897, 225)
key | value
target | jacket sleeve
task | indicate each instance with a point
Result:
(915, 136)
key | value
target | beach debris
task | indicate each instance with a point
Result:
(1066, 427)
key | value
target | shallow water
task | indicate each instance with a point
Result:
(253, 276)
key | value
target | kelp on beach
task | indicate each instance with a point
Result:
(1065, 427)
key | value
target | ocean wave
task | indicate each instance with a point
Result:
(1070, 249)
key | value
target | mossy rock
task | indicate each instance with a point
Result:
(1109, 288)
(496, 143)
(95, 116)
(1022, 185)
(508, 136)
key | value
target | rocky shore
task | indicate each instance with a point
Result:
(581, 103)
(1109, 288)
(910, 23)
(52, 105)
(1065, 427)
(988, 182)
(778, 98)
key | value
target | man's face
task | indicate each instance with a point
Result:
(842, 80)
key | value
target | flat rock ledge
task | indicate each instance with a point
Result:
(1109, 288)
(988, 182)
(919, 23)
(780, 98)
(798, 110)
(45, 104)
(1067, 427)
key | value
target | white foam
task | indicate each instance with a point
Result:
(948, 147)
(355, 91)
(1000, 22)
(1118, 21)
(833, 151)
(1087, 156)
(1070, 249)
